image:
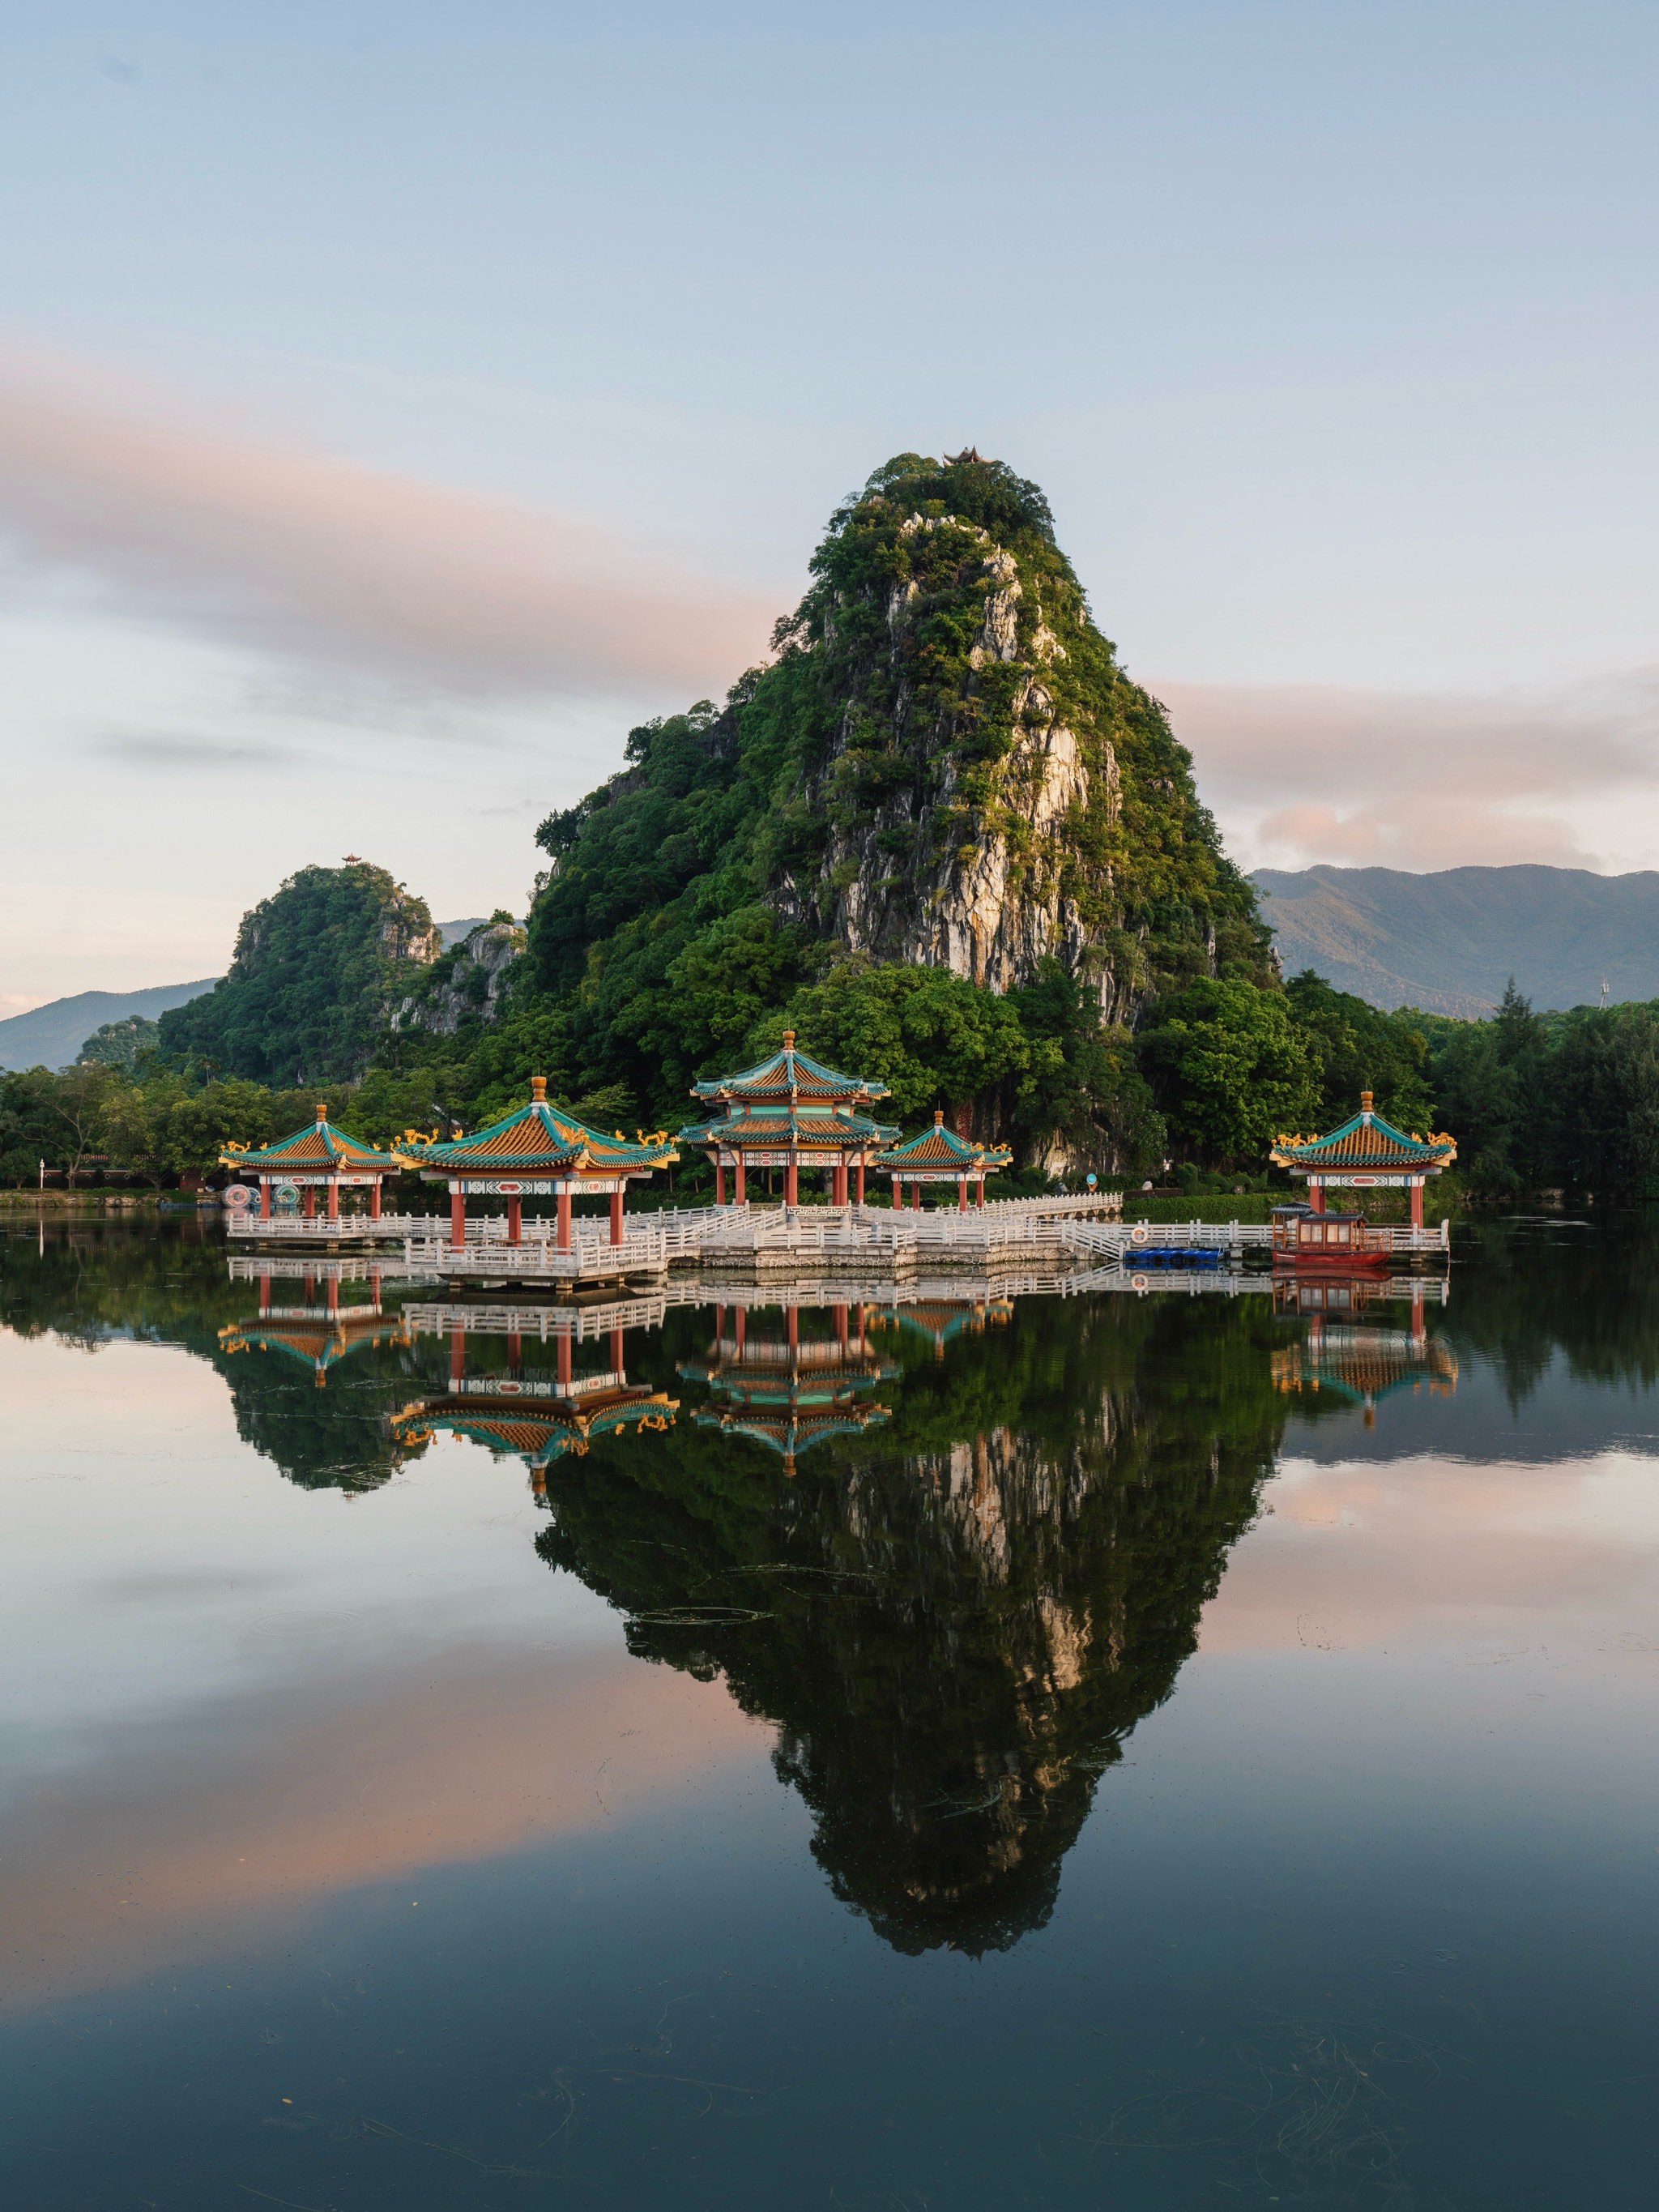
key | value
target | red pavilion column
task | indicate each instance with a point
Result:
(898, 1193)
(915, 1195)
(740, 1195)
(962, 1193)
(720, 1179)
(457, 1356)
(615, 1351)
(310, 1198)
(981, 1190)
(860, 1197)
(1417, 1203)
(1317, 1195)
(374, 1200)
(564, 1363)
(564, 1220)
(457, 1216)
(515, 1220)
(264, 1198)
(616, 1213)
(792, 1182)
(334, 1198)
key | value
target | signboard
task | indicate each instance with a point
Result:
(1363, 1182)
(579, 1186)
(238, 1197)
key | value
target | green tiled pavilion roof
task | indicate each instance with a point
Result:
(1367, 1144)
(940, 1150)
(539, 1139)
(319, 1147)
(788, 1073)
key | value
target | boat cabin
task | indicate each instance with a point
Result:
(1300, 1233)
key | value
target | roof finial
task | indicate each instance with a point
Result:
(789, 1039)
(939, 1117)
(322, 1110)
(539, 1090)
(1365, 1102)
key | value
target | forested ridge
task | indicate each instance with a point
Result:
(943, 836)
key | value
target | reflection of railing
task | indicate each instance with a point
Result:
(297, 1228)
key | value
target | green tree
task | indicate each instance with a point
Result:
(1356, 1046)
(1230, 1069)
(319, 968)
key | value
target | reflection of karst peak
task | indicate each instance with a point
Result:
(954, 1621)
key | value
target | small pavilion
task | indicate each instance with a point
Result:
(790, 1111)
(537, 1151)
(938, 1155)
(1366, 1153)
(320, 1157)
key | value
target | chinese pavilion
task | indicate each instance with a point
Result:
(938, 1155)
(321, 1157)
(790, 1111)
(537, 1151)
(792, 1395)
(1366, 1153)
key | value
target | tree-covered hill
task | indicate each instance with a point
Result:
(942, 835)
(319, 967)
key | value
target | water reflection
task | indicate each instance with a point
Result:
(954, 1549)
(956, 1619)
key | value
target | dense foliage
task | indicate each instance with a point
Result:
(319, 969)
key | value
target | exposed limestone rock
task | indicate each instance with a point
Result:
(466, 983)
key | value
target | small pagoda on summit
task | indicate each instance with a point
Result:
(537, 1151)
(1366, 1153)
(938, 1155)
(790, 1111)
(318, 1158)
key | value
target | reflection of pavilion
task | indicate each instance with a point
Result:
(1353, 1359)
(534, 1412)
(941, 1319)
(792, 1394)
(316, 1336)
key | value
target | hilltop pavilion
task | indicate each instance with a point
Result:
(537, 1151)
(1366, 1153)
(790, 1111)
(938, 1155)
(320, 1157)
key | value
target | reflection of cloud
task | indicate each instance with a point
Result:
(1420, 1553)
(1417, 780)
(166, 1856)
(324, 563)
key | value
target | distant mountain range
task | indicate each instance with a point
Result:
(1447, 942)
(51, 1035)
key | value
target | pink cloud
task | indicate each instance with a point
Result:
(1416, 779)
(314, 559)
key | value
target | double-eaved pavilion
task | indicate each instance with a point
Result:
(537, 1151)
(938, 1155)
(320, 1158)
(1366, 1153)
(790, 1111)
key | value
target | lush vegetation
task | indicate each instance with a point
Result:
(319, 969)
(799, 857)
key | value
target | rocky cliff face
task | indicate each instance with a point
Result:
(991, 788)
(467, 983)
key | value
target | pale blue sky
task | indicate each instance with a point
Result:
(1329, 331)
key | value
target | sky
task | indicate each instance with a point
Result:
(397, 403)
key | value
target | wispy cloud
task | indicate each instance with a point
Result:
(162, 750)
(1417, 780)
(330, 567)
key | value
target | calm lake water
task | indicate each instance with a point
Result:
(1132, 1751)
